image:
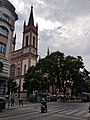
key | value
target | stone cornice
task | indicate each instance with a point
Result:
(9, 6)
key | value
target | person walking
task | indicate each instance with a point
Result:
(20, 101)
(12, 99)
(16, 99)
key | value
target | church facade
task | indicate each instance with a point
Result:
(25, 57)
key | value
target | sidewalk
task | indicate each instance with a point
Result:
(27, 104)
(73, 101)
(9, 107)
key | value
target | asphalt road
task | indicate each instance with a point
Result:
(56, 111)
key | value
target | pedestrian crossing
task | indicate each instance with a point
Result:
(73, 112)
(77, 112)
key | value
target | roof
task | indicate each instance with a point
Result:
(31, 19)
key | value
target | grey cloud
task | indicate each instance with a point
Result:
(63, 10)
(74, 15)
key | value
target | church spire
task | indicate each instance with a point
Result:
(24, 25)
(48, 51)
(31, 19)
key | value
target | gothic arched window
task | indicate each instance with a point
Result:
(26, 40)
(24, 69)
(33, 41)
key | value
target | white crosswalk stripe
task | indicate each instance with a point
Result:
(86, 115)
(67, 112)
(64, 111)
(76, 112)
(80, 113)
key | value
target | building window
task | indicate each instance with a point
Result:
(33, 41)
(1, 66)
(5, 17)
(2, 47)
(4, 31)
(27, 40)
(12, 70)
(24, 69)
(18, 71)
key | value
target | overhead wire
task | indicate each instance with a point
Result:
(60, 27)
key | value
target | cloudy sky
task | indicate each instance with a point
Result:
(64, 25)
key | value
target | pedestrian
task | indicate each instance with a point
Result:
(16, 99)
(20, 101)
(12, 101)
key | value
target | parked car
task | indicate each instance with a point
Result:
(85, 97)
(2, 103)
(62, 97)
(52, 98)
(48, 98)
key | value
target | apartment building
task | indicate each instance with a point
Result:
(8, 17)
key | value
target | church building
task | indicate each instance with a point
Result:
(25, 57)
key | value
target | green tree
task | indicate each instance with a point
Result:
(11, 86)
(71, 72)
(56, 69)
(45, 72)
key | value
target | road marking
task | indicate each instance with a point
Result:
(55, 111)
(79, 113)
(65, 111)
(73, 111)
(64, 116)
(68, 112)
(87, 115)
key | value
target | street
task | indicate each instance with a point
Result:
(56, 111)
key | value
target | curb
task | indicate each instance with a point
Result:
(73, 101)
(15, 107)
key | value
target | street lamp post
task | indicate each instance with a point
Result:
(71, 84)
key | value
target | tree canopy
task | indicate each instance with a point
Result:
(56, 69)
(12, 86)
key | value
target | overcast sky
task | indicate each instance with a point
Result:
(64, 25)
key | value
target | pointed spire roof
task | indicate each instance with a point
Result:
(24, 25)
(31, 19)
(48, 51)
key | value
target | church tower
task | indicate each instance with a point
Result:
(30, 39)
(25, 57)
